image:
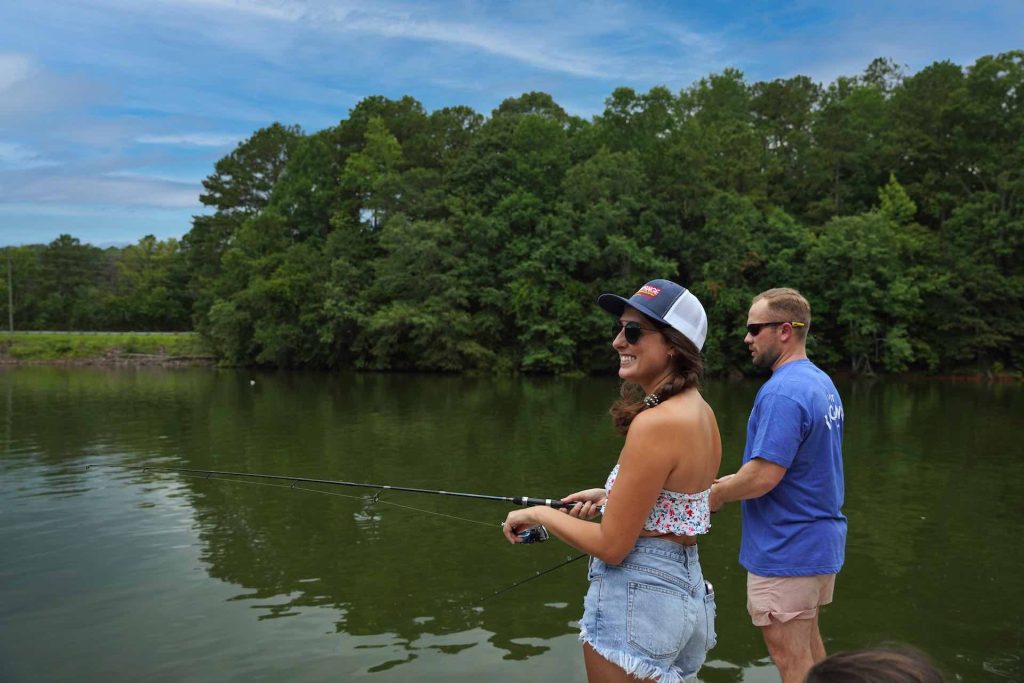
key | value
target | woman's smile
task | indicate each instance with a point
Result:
(646, 360)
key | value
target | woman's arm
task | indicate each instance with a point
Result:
(649, 455)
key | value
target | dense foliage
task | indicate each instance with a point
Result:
(445, 240)
(67, 285)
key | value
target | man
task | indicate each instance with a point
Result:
(791, 485)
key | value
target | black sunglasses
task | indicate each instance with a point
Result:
(755, 328)
(632, 330)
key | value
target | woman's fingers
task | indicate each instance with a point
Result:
(572, 510)
(584, 496)
(509, 533)
(587, 503)
(584, 510)
(517, 520)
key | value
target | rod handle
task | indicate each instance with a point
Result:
(549, 502)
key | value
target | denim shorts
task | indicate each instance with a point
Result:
(653, 615)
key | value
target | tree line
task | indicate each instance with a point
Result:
(450, 241)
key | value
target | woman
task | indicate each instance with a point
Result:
(648, 612)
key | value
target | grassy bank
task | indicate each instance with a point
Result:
(102, 347)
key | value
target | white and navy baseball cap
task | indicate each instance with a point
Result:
(667, 303)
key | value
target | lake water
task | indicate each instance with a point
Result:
(115, 574)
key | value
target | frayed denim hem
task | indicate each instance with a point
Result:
(633, 665)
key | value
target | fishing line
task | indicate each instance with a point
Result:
(374, 500)
(515, 500)
(522, 500)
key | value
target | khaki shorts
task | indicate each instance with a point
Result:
(783, 598)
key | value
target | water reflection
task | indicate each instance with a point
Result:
(396, 585)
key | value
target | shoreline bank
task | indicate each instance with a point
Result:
(116, 360)
(187, 349)
(104, 349)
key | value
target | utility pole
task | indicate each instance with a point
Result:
(10, 294)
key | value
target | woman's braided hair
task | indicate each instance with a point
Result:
(688, 371)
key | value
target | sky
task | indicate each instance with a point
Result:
(113, 111)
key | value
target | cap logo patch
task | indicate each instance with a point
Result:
(648, 291)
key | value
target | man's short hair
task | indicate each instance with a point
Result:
(787, 305)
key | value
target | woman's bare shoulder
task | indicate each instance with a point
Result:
(668, 422)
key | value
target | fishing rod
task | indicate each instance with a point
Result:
(532, 535)
(515, 500)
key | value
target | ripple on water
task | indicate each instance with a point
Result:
(1009, 667)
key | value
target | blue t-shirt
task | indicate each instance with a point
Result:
(797, 528)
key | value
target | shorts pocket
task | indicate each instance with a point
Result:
(658, 622)
(710, 612)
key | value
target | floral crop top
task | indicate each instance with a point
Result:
(682, 514)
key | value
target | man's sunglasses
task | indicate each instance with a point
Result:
(632, 330)
(755, 328)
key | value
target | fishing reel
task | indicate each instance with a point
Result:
(537, 534)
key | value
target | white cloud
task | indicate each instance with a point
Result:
(186, 179)
(17, 156)
(28, 90)
(123, 190)
(191, 139)
(573, 40)
(286, 11)
(575, 45)
(529, 51)
(14, 68)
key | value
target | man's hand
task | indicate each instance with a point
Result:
(756, 478)
(715, 501)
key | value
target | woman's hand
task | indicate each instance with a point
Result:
(516, 521)
(587, 502)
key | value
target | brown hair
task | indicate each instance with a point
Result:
(687, 371)
(789, 305)
(878, 665)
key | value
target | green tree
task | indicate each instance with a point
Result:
(372, 175)
(423, 320)
(29, 284)
(740, 251)
(243, 180)
(307, 194)
(239, 188)
(926, 130)
(717, 147)
(71, 274)
(866, 274)
(979, 310)
(852, 148)
(151, 291)
(450, 241)
(895, 203)
(784, 112)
